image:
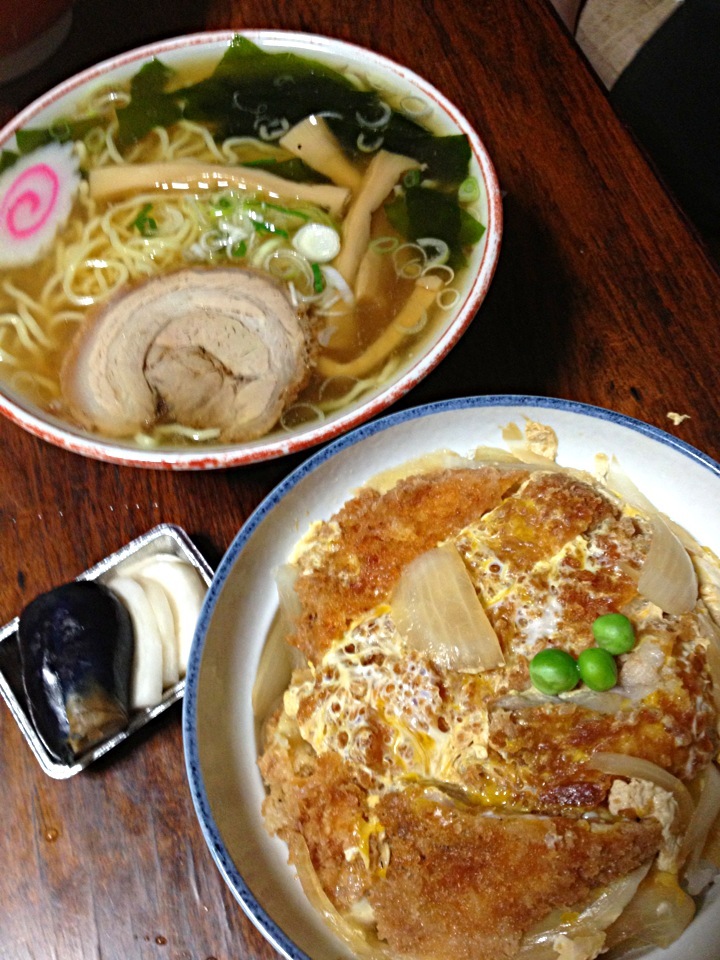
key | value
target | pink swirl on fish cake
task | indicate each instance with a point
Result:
(30, 201)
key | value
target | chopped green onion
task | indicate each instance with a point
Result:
(384, 244)
(411, 178)
(287, 210)
(318, 279)
(318, 242)
(436, 251)
(266, 248)
(265, 227)
(469, 190)
(260, 206)
(240, 249)
(146, 225)
(60, 130)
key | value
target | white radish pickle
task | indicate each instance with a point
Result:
(166, 627)
(36, 197)
(185, 592)
(146, 680)
(163, 595)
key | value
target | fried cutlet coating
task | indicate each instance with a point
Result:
(378, 535)
(551, 517)
(318, 798)
(538, 753)
(551, 509)
(459, 882)
(468, 886)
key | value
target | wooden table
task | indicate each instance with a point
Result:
(603, 294)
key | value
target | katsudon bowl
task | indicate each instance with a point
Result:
(240, 666)
(331, 215)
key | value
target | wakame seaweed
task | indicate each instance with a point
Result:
(149, 105)
(445, 158)
(425, 212)
(7, 159)
(254, 93)
(62, 131)
(249, 87)
(293, 169)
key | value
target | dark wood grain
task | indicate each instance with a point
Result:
(603, 294)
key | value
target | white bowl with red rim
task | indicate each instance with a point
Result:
(443, 117)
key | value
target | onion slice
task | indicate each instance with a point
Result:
(538, 445)
(290, 606)
(437, 611)
(607, 702)
(277, 662)
(586, 924)
(657, 915)
(701, 822)
(362, 941)
(668, 578)
(624, 488)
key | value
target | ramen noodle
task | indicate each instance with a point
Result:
(333, 192)
(435, 802)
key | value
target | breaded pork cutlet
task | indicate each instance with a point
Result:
(498, 874)
(444, 879)
(357, 557)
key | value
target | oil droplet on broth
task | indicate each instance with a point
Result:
(51, 834)
(161, 941)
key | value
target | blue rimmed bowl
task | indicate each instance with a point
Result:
(219, 723)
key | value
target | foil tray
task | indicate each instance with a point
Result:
(165, 538)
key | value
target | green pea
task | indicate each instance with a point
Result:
(614, 633)
(597, 668)
(554, 671)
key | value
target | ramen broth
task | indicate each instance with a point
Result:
(109, 244)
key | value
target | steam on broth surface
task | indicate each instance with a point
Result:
(274, 165)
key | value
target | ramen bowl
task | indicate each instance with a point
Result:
(141, 239)
(230, 684)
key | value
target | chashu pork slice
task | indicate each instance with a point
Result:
(221, 348)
